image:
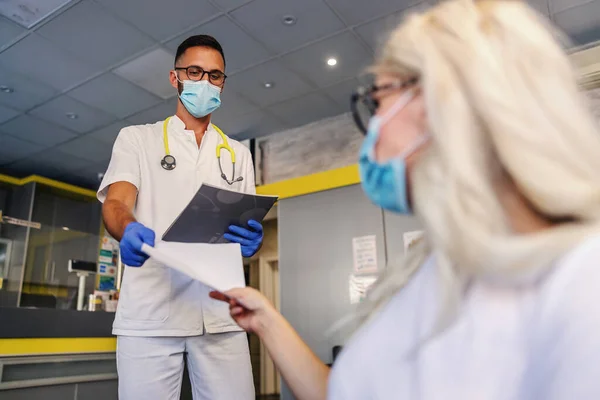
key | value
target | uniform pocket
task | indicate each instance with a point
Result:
(146, 293)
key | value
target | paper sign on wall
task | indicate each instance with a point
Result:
(359, 286)
(364, 251)
(410, 238)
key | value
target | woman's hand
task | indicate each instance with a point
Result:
(248, 307)
(304, 373)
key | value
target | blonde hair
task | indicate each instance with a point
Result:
(501, 98)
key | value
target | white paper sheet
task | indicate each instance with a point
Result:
(218, 266)
(359, 285)
(364, 253)
(410, 238)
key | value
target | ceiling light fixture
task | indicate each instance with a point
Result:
(71, 115)
(332, 62)
(6, 89)
(269, 85)
(289, 20)
(65, 228)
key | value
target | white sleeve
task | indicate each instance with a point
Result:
(568, 346)
(248, 172)
(124, 163)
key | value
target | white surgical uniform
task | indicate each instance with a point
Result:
(533, 341)
(163, 313)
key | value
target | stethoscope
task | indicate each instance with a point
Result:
(169, 163)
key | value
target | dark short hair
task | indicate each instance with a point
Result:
(199, 41)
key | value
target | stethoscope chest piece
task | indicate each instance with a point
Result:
(168, 162)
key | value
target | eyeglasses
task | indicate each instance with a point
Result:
(196, 73)
(364, 104)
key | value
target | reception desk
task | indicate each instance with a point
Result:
(57, 354)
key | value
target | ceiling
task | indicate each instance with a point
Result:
(105, 64)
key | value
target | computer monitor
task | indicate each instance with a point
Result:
(83, 266)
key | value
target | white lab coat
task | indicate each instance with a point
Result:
(534, 340)
(156, 300)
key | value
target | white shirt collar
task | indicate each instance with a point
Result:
(177, 126)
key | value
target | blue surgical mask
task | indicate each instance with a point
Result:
(200, 98)
(386, 183)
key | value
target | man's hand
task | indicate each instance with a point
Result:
(134, 237)
(250, 239)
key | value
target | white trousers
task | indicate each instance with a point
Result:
(152, 367)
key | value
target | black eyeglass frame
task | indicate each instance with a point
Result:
(204, 72)
(365, 95)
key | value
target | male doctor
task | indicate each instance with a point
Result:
(154, 172)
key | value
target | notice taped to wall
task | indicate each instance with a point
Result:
(364, 252)
(410, 238)
(359, 286)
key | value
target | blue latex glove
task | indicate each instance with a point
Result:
(135, 235)
(249, 239)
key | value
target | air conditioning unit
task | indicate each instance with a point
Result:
(587, 61)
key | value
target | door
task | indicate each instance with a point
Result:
(269, 286)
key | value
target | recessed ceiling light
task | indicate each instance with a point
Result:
(6, 89)
(269, 85)
(71, 115)
(289, 20)
(332, 62)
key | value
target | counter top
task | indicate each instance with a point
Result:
(51, 323)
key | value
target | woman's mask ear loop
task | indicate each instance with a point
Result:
(401, 103)
(415, 146)
(377, 122)
(397, 107)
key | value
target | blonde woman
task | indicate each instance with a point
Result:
(479, 127)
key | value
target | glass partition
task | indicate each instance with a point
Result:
(47, 281)
(41, 229)
(15, 209)
(69, 230)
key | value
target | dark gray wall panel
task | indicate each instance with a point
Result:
(50, 323)
(59, 369)
(103, 390)
(61, 392)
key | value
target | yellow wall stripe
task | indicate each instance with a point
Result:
(40, 346)
(11, 180)
(48, 182)
(318, 182)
